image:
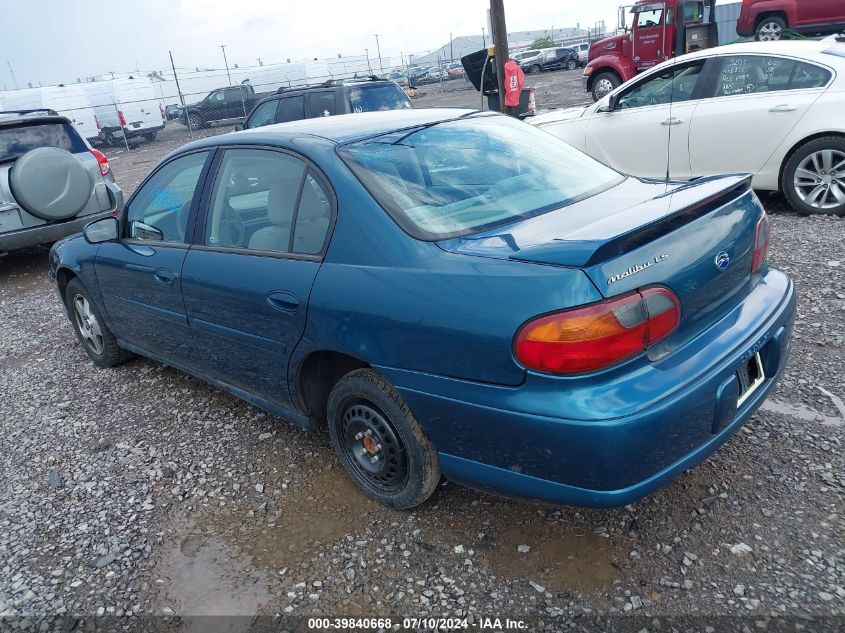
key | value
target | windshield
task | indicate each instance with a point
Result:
(375, 98)
(17, 141)
(462, 176)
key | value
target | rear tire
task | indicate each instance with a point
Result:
(603, 84)
(95, 337)
(571, 64)
(814, 177)
(380, 443)
(770, 29)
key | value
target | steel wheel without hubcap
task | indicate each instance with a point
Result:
(770, 32)
(603, 86)
(87, 324)
(373, 447)
(820, 179)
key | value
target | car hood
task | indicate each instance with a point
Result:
(557, 116)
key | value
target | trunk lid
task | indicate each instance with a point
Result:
(695, 238)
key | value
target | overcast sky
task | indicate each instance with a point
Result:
(85, 37)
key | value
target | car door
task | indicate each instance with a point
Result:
(139, 275)
(649, 36)
(819, 12)
(647, 132)
(756, 101)
(235, 103)
(247, 280)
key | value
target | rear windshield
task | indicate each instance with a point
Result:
(380, 97)
(462, 176)
(16, 141)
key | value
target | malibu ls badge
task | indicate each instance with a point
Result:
(633, 270)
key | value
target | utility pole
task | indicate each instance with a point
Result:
(451, 48)
(179, 90)
(378, 48)
(12, 72)
(500, 42)
(483, 39)
(367, 53)
(225, 61)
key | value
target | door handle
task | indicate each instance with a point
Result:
(672, 121)
(283, 300)
(783, 107)
(164, 276)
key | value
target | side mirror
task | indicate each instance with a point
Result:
(102, 230)
(612, 102)
(239, 126)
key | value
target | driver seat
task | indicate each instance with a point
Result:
(281, 199)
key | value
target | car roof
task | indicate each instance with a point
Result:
(811, 49)
(10, 118)
(341, 128)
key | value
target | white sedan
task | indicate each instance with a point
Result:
(772, 109)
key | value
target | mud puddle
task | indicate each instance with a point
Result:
(801, 412)
(560, 558)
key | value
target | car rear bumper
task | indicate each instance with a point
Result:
(46, 233)
(497, 439)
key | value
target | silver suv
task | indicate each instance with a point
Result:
(51, 181)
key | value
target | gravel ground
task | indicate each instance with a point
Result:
(141, 491)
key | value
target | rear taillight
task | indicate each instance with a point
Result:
(532, 102)
(102, 161)
(120, 117)
(762, 238)
(600, 335)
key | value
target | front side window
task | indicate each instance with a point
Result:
(670, 86)
(159, 211)
(647, 19)
(462, 176)
(216, 98)
(265, 114)
(265, 201)
(322, 104)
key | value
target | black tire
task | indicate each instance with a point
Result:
(406, 471)
(535, 69)
(770, 29)
(195, 121)
(601, 81)
(825, 202)
(571, 64)
(109, 353)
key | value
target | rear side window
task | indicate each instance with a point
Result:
(291, 109)
(265, 114)
(322, 104)
(380, 97)
(17, 141)
(809, 76)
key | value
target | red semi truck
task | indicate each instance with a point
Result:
(655, 35)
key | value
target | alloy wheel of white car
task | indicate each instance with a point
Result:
(820, 179)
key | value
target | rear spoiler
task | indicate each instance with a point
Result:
(588, 247)
(32, 111)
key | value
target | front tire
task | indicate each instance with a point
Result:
(195, 121)
(770, 29)
(94, 335)
(381, 445)
(571, 64)
(814, 177)
(603, 84)
(535, 69)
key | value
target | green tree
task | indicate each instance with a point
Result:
(543, 42)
